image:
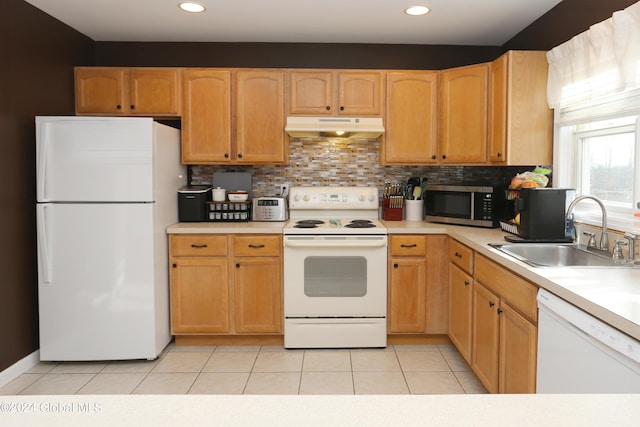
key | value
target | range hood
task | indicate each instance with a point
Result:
(347, 127)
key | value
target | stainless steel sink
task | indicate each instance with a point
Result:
(558, 255)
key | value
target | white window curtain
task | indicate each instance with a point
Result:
(602, 61)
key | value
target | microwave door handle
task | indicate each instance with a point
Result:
(473, 206)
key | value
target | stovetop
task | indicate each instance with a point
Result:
(334, 226)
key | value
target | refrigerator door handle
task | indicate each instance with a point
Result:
(41, 165)
(43, 247)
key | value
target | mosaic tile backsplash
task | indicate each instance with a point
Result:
(347, 162)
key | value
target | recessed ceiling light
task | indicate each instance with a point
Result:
(191, 7)
(416, 10)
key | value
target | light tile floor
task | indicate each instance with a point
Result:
(399, 369)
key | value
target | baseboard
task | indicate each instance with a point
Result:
(19, 368)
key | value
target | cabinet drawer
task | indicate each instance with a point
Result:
(408, 245)
(518, 292)
(197, 245)
(461, 255)
(257, 245)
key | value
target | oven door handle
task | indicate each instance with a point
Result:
(335, 244)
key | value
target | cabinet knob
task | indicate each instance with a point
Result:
(239, 155)
(444, 156)
(395, 265)
(328, 107)
(119, 107)
(133, 107)
(174, 265)
(433, 157)
(499, 310)
(491, 303)
(466, 283)
(458, 255)
(341, 108)
(226, 155)
(499, 154)
(237, 265)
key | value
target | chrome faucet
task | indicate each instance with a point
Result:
(604, 239)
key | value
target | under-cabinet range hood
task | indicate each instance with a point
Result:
(347, 127)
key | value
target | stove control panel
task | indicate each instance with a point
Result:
(333, 198)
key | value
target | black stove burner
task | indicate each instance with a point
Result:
(308, 223)
(360, 223)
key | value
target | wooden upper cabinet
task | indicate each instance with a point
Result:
(206, 121)
(101, 90)
(520, 121)
(321, 92)
(260, 117)
(155, 91)
(464, 114)
(411, 127)
(128, 91)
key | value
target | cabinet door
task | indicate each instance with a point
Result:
(154, 91)
(437, 285)
(258, 295)
(464, 114)
(485, 337)
(411, 128)
(206, 118)
(460, 298)
(260, 120)
(101, 90)
(359, 93)
(407, 295)
(311, 92)
(199, 295)
(498, 80)
(518, 352)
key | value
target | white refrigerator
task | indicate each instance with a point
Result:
(106, 191)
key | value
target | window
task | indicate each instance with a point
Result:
(598, 154)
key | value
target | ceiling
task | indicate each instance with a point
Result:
(451, 22)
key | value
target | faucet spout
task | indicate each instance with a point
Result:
(604, 239)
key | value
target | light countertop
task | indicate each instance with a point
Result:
(610, 294)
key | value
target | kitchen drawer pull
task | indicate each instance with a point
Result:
(408, 246)
(193, 245)
(458, 255)
(256, 246)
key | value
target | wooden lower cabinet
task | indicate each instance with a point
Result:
(258, 307)
(199, 296)
(460, 309)
(518, 352)
(225, 284)
(486, 337)
(418, 300)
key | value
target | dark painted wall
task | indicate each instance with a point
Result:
(36, 78)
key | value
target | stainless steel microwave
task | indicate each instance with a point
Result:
(479, 206)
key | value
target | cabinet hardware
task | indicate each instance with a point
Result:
(458, 255)
(133, 107)
(237, 265)
(256, 246)
(491, 303)
(466, 283)
(193, 245)
(395, 265)
(341, 108)
(408, 246)
(174, 265)
(328, 107)
(119, 107)
(444, 156)
(226, 155)
(499, 310)
(499, 154)
(434, 157)
(239, 155)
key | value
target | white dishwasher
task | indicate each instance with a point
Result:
(578, 353)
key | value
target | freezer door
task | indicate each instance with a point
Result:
(94, 159)
(99, 297)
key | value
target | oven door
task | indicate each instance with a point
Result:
(335, 276)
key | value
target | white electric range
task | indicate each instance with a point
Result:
(335, 269)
